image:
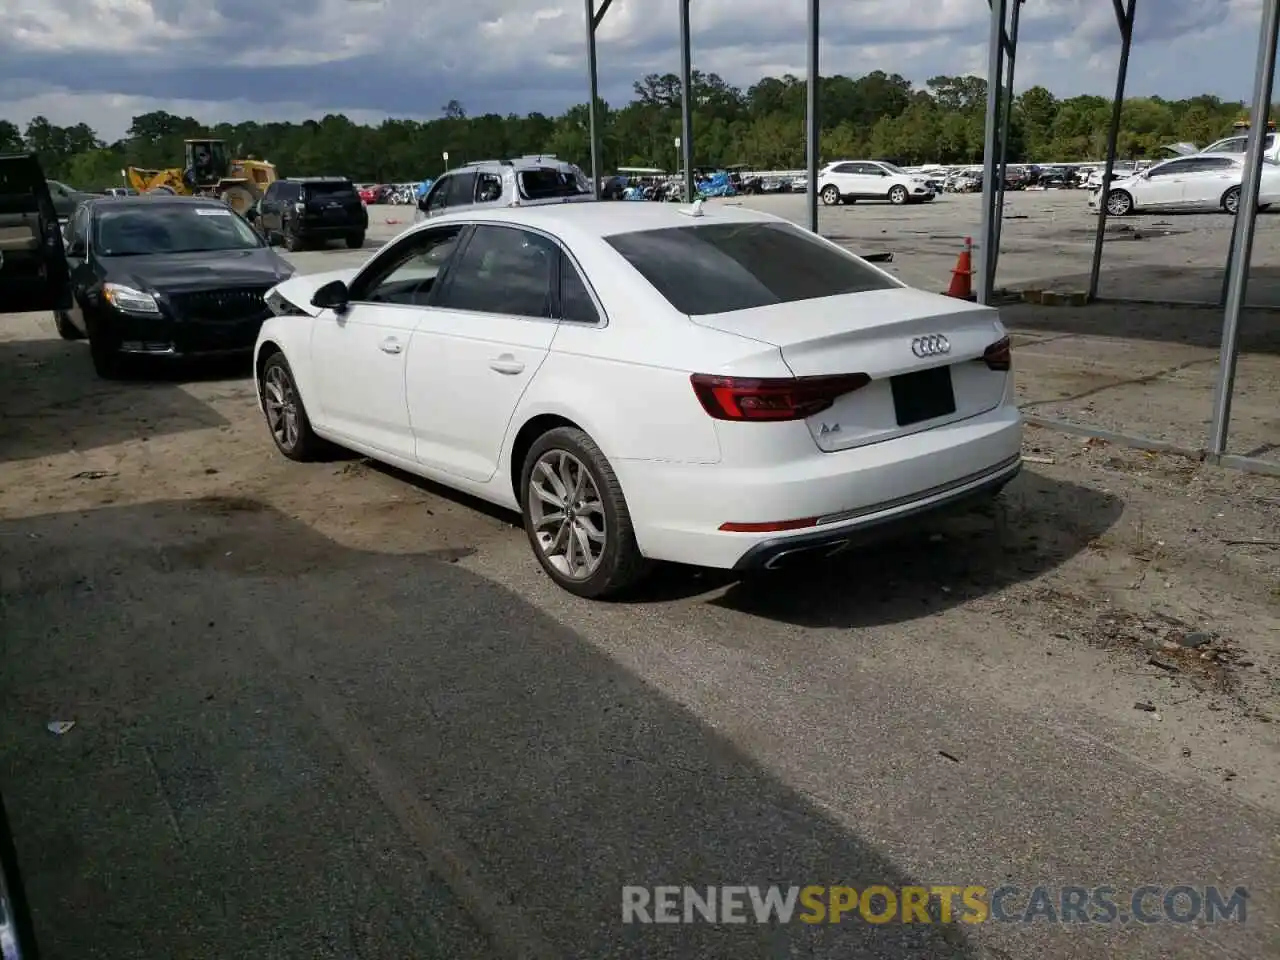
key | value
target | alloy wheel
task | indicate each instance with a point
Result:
(1118, 204)
(568, 515)
(281, 402)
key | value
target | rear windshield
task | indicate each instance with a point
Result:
(317, 191)
(723, 267)
(546, 184)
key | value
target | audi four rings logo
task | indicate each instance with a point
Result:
(933, 345)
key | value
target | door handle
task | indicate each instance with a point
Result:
(390, 345)
(506, 364)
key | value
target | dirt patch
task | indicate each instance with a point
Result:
(1095, 542)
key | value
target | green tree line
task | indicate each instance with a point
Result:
(877, 115)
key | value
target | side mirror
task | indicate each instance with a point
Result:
(334, 295)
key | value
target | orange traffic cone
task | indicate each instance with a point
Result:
(962, 276)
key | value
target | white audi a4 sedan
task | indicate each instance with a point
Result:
(707, 385)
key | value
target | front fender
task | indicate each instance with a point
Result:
(291, 335)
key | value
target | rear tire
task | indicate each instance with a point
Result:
(13, 905)
(573, 456)
(355, 241)
(66, 329)
(238, 198)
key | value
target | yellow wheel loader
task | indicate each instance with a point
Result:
(208, 172)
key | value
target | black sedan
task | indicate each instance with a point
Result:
(165, 277)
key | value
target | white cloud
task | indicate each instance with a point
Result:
(102, 61)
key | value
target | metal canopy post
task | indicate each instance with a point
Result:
(1242, 245)
(594, 18)
(813, 125)
(1006, 124)
(1124, 19)
(990, 152)
(686, 101)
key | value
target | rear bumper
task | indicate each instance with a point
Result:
(677, 509)
(885, 522)
(332, 230)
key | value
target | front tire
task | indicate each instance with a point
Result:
(576, 517)
(355, 241)
(108, 363)
(898, 195)
(830, 195)
(1119, 204)
(1231, 201)
(66, 329)
(286, 416)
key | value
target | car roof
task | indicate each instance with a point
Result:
(1234, 157)
(150, 201)
(604, 218)
(530, 162)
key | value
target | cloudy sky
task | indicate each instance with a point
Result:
(103, 61)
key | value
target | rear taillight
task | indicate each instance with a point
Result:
(773, 399)
(999, 356)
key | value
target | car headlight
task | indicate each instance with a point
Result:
(128, 300)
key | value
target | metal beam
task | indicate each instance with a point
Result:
(1124, 19)
(593, 79)
(995, 78)
(1006, 124)
(599, 15)
(1242, 247)
(686, 101)
(813, 125)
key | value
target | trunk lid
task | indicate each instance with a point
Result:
(34, 276)
(923, 353)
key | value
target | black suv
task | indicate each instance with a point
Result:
(302, 211)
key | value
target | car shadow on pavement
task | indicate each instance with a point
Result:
(286, 748)
(1035, 525)
(54, 403)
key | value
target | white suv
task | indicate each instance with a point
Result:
(851, 180)
(506, 183)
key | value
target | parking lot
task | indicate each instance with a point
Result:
(327, 710)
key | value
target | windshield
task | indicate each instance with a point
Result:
(547, 183)
(738, 266)
(138, 231)
(893, 168)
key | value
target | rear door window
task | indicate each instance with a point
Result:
(547, 183)
(503, 270)
(723, 267)
(488, 188)
(576, 304)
